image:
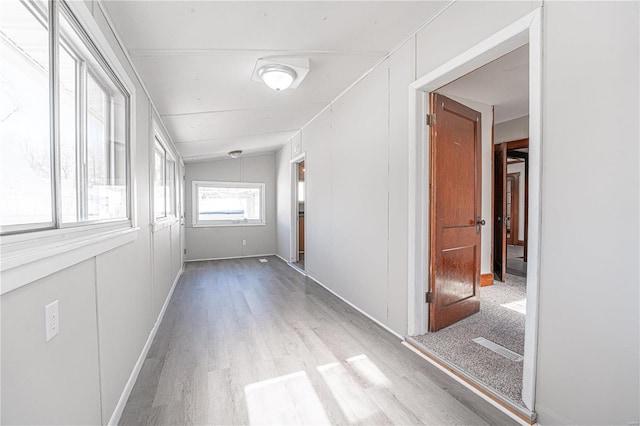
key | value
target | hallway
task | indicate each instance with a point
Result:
(244, 342)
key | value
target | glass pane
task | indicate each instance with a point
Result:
(94, 154)
(68, 132)
(159, 183)
(25, 146)
(171, 187)
(228, 203)
(97, 150)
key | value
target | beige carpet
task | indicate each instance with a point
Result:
(497, 323)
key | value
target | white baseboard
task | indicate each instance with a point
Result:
(386, 327)
(231, 257)
(467, 385)
(117, 412)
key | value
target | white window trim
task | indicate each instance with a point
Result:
(195, 223)
(162, 222)
(29, 256)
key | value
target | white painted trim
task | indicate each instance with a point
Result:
(384, 326)
(122, 401)
(525, 30)
(231, 257)
(465, 384)
(24, 266)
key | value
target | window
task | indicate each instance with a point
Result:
(164, 183)
(69, 167)
(228, 203)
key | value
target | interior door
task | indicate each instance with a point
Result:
(455, 212)
(499, 212)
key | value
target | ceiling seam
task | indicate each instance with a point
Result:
(180, 114)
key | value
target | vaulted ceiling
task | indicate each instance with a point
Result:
(197, 58)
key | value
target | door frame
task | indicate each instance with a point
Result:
(526, 30)
(293, 223)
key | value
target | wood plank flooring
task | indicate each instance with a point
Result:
(244, 342)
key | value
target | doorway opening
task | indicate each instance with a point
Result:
(298, 208)
(492, 350)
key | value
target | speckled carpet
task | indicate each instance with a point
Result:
(500, 324)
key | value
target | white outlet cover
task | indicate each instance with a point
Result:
(51, 320)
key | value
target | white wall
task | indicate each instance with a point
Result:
(108, 305)
(588, 369)
(586, 373)
(511, 130)
(226, 241)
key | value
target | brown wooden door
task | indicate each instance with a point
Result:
(455, 210)
(499, 212)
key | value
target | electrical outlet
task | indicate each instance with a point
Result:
(244, 242)
(51, 320)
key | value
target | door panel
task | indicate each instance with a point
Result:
(499, 210)
(454, 209)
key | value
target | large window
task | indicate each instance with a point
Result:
(228, 203)
(63, 140)
(164, 183)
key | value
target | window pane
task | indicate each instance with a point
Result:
(228, 204)
(68, 133)
(25, 146)
(171, 187)
(159, 183)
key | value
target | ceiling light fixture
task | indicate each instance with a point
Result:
(235, 154)
(279, 72)
(278, 77)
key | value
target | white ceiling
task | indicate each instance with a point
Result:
(503, 83)
(196, 59)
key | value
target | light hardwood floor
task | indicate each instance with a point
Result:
(244, 342)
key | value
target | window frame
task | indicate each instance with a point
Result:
(50, 19)
(196, 184)
(30, 253)
(168, 158)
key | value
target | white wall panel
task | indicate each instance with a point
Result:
(283, 202)
(125, 316)
(464, 25)
(401, 74)
(359, 196)
(588, 369)
(317, 138)
(55, 382)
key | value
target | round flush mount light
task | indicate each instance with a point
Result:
(235, 154)
(277, 77)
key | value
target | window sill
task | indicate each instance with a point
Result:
(23, 262)
(226, 225)
(164, 223)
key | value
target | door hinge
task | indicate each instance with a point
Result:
(185, 251)
(430, 119)
(429, 297)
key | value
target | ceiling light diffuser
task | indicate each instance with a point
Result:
(277, 77)
(235, 154)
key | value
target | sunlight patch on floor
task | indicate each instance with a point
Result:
(353, 401)
(284, 400)
(368, 370)
(519, 306)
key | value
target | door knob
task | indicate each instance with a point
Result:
(480, 221)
